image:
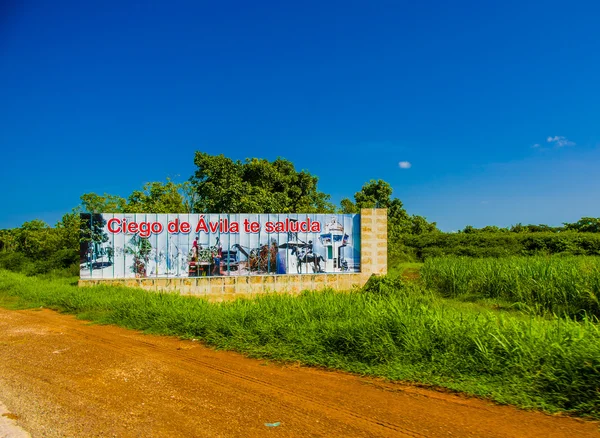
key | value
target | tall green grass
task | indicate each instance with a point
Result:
(388, 328)
(561, 285)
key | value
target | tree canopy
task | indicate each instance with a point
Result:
(585, 225)
(377, 194)
(155, 197)
(223, 185)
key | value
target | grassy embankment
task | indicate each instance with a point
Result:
(390, 328)
(564, 286)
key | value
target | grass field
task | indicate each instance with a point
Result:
(565, 286)
(390, 328)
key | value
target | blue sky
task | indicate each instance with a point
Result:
(495, 105)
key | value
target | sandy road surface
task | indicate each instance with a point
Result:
(62, 377)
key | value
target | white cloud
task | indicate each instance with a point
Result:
(404, 165)
(560, 141)
(537, 145)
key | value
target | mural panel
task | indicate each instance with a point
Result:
(193, 245)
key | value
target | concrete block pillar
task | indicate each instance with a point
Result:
(373, 238)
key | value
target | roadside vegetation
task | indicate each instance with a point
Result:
(564, 286)
(393, 328)
(499, 243)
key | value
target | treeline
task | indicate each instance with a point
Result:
(36, 248)
(578, 238)
(498, 244)
(220, 184)
(583, 225)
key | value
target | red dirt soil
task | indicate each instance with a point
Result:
(63, 377)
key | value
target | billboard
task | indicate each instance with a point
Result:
(139, 245)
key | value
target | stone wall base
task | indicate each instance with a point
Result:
(231, 288)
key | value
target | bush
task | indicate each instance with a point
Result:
(64, 262)
(64, 258)
(13, 261)
(484, 244)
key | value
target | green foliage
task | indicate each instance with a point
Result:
(541, 228)
(374, 194)
(585, 225)
(479, 244)
(8, 241)
(36, 248)
(348, 207)
(68, 229)
(13, 261)
(93, 203)
(255, 186)
(377, 194)
(35, 239)
(158, 197)
(389, 328)
(63, 259)
(561, 285)
(155, 197)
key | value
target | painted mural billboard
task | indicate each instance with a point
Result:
(193, 245)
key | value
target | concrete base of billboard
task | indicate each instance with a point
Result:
(373, 261)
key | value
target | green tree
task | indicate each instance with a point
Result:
(37, 240)
(419, 225)
(8, 240)
(585, 225)
(68, 229)
(492, 229)
(518, 228)
(218, 183)
(157, 197)
(348, 207)
(374, 194)
(93, 203)
(222, 185)
(377, 194)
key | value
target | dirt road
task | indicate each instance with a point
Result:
(62, 377)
